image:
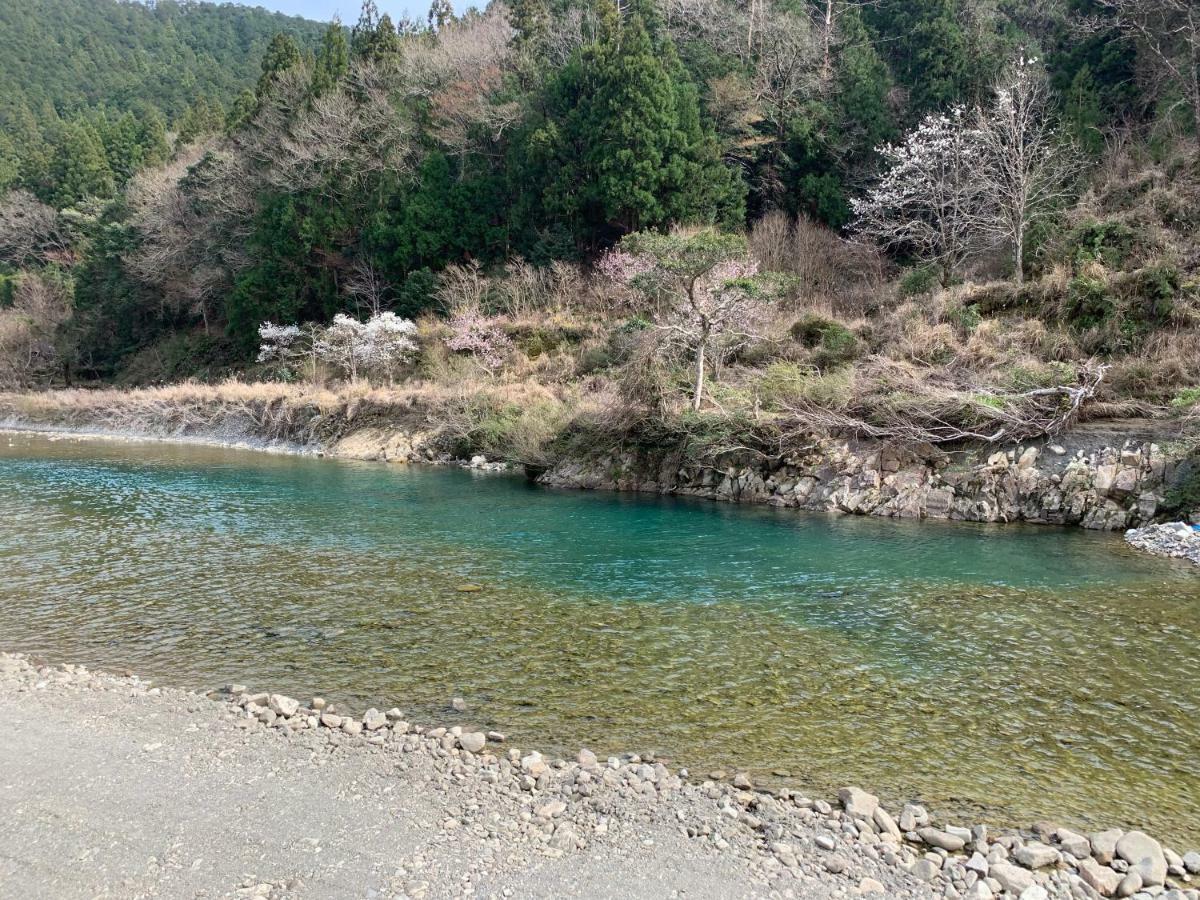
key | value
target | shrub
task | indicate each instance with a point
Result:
(1088, 303)
(785, 383)
(965, 318)
(921, 280)
(1186, 398)
(833, 342)
(1109, 243)
(1154, 289)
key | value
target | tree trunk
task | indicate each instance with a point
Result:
(1019, 256)
(827, 63)
(699, 393)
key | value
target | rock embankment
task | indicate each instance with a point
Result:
(1174, 539)
(1095, 480)
(518, 806)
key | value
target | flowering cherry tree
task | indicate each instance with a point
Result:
(704, 284)
(476, 335)
(931, 199)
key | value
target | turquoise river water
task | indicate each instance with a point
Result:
(998, 673)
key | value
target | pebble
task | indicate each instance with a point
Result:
(1130, 884)
(857, 803)
(1013, 879)
(946, 841)
(1036, 855)
(1102, 878)
(925, 870)
(283, 706)
(1104, 845)
(836, 865)
(373, 720)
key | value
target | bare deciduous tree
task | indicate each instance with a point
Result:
(30, 231)
(27, 328)
(367, 287)
(1028, 167)
(1169, 33)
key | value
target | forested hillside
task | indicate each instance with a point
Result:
(75, 55)
(85, 79)
(863, 214)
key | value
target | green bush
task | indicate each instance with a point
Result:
(536, 340)
(964, 318)
(833, 343)
(1109, 243)
(1186, 398)
(1089, 303)
(418, 294)
(1154, 290)
(921, 280)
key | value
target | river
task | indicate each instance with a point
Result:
(996, 673)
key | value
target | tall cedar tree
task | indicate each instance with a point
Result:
(332, 59)
(622, 147)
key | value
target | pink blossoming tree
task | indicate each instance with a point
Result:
(704, 285)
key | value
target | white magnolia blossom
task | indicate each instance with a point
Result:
(967, 180)
(931, 198)
(279, 342)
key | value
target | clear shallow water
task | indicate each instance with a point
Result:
(1012, 673)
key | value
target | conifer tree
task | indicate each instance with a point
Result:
(79, 168)
(332, 59)
(282, 53)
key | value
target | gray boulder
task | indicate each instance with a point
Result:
(1145, 855)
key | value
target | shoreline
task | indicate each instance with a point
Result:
(1107, 475)
(778, 839)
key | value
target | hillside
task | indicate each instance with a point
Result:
(74, 55)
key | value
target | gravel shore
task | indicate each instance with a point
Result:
(1173, 539)
(112, 787)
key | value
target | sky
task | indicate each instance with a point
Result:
(347, 10)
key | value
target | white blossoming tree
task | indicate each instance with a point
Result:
(704, 284)
(379, 346)
(931, 199)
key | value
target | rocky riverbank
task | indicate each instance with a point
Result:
(1107, 475)
(436, 812)
(1177, 540)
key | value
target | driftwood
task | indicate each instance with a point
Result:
(1011, 416)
